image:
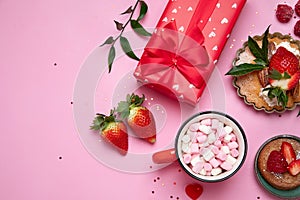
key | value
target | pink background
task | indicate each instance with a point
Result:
(45, 45)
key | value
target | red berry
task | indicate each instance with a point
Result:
(288, 152)
(276, 162)
(297, 8)
(284, 13)
(284, 61)
(294, 167)
(297, 28)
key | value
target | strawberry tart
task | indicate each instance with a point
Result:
(279, 164)
(266, 72)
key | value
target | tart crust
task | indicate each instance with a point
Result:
(249, 86)
(283, 181)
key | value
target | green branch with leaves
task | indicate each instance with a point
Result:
(135, 25)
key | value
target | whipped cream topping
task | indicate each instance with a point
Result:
(264, 94)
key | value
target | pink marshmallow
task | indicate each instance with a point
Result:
(207, 167)
(234, 153)
(202, 138)
(193, 136)
(197, 167)
(226, 166)
(187, 158)
(206, 122)
(208, 173)
(218, 143)
(194, 148)
(214, 162)
(221, 133)
(194, 127)
(221, 155)
(215, 149)
(233, 145)
(233, 137)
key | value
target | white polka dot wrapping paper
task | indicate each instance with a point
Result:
(185, 46)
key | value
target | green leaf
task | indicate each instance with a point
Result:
(97, 122)
(143, 10)
(138, 28)
(109, 40)
(244, 69)
(286, 75)
(123, 109)
(127, 48)
(255, 49)
(275, 74)
(277, 92)
(298, 114)
(265, 44)
(111, 57)
(259, 61)
(128, 11)
(119, 25)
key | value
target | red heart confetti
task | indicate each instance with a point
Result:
(193, 190)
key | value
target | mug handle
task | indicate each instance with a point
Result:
(166, 156)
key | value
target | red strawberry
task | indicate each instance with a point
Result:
(294, 167)
(139, 118)
(288, 152)
(297, 8)
(284, 74)
(276, 162)
(284, 13)
(112, 130)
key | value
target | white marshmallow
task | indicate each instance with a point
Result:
(225, 149)
(185, 148)
(227, 138)
(186, 138)
(211, 138)
(203, 172)
(216, 171)
(231, 159)
(207, 155)
(228, 129)
(205, 129)
(195, 159)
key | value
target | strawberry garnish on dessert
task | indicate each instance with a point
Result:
(112, 130)
(276, 162)
(288, 152)
(284, 13)
(284, 74)
(278, 72)
(294, 167)
(139, 118)
(284, 160)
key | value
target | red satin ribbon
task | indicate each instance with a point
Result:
(169, 49)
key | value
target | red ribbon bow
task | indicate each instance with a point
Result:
(169, 49)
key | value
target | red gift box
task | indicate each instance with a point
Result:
(187, 42)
